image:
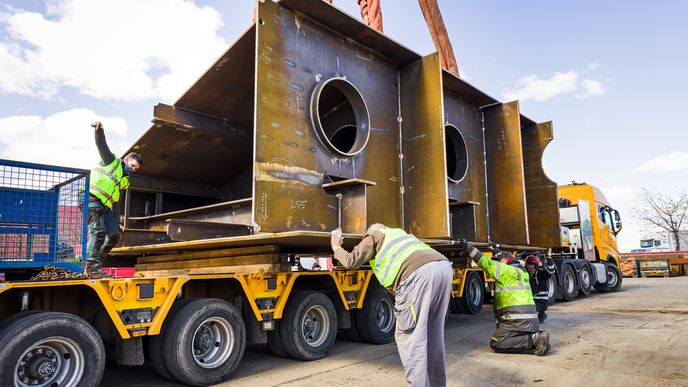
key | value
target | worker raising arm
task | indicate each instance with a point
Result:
(108, 180)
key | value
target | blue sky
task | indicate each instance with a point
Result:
(608, 74)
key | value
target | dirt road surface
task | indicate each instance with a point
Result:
(636, 337)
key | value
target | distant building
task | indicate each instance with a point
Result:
(662, 241)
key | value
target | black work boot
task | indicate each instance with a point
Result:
(94, 271)
(541, 343)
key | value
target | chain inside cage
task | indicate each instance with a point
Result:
(41, 215)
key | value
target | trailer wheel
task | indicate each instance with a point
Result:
(472, 300)
(454, 305)
(51, 349)
(614, 278)
(309, 326)
(275, 341)
(585, 277)
(376, 321)
(155, 344)
(205, 342)
(552, 289)
(10, 319)
(568, 286)
(352, 333)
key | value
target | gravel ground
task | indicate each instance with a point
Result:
(635, 337)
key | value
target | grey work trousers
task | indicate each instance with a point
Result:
(506, 341)
(421, 303)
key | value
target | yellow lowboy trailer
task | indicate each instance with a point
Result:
(194, 327)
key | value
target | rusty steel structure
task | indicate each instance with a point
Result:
(312, 120)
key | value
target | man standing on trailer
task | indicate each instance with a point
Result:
(420, 279)
(108, 180)
(539, 283)
(517, 320)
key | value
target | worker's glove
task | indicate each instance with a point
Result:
(336, 239)
(96, 125)
(469, 249)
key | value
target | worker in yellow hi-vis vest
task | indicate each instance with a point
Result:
(420, 279)
(108, 180)
(518, 329)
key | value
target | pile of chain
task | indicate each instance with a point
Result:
(57, 273)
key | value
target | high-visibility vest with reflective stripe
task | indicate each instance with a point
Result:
(396, 247)
(512, 285)
(108, 181)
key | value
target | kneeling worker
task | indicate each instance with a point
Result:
(517, 319)
(420, 279)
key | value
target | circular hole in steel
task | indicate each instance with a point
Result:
(456, 152)
(340, 117)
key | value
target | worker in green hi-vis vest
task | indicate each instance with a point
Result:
(518, 329)
(420, 279)
(107, 181)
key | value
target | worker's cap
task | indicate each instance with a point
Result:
(533, 260)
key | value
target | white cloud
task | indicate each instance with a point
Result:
(590, 88)
(675, 161)
(64, 138)
(125, 50)
(559, 84)
(532, 87)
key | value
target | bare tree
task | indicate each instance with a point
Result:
(664, 211)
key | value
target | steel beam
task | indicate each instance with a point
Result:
(541, 192)
(505, 181)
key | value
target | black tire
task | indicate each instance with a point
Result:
(614, 278)
(275, 342)
(12, 318)
(352, 333)
(585, 280)
(376, 321)
(205, 342)
(569, 286)
(454, 307)
(309, 326)
(44, 337)
(155, 344)
(473, 294)
(552, 289)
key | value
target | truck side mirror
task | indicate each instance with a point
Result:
(617, 222)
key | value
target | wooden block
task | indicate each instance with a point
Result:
(213, 262)
(205, 254)
(234, 269)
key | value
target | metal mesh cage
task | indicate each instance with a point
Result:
(42, 219)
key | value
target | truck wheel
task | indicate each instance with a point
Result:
(275, 341)
(51, 349)
(352, 333)
(309, 326)
(585, 281)
(552, 289)
(614, 278)
(376, 321)
(472, 300)
(10, 319)
(205, 342)
(155, 343)
(454, 305)
(568, 288)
